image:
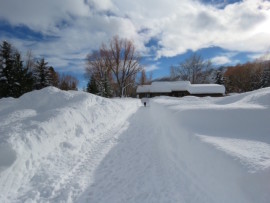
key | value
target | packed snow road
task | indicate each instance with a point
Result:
(156, 160)
(76, 147)
(146, 166)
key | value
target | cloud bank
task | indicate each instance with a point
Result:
(71, 29)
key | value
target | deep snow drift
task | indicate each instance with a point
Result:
(52, 140)
(58, 146)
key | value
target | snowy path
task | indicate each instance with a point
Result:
(136, 169)
(157, 161)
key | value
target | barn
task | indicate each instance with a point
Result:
(179, 89)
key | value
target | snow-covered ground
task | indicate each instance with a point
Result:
(58, 146)
(51, 141)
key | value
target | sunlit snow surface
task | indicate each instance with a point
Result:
(254, 154)
(58, 146)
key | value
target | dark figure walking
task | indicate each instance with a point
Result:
(145, 101)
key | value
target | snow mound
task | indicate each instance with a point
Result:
(224, 142)
(232, 124)
(44, 133)
(260, 97)
(49, 99)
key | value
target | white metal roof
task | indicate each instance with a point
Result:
(167, 87)
(206, 89)
(143, 88)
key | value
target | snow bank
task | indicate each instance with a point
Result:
(44, 133)
(237, 126)
(244, 116)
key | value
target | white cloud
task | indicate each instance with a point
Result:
(42, 16)
(150, 68)
(221, 60)
(82, 25)
(238, 27)
(260, 56)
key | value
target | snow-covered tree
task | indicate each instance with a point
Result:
(265, 78)
(219, 78)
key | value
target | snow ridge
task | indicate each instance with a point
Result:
(50, 135)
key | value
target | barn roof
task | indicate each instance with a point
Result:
(167, 87)
(206, 89)
(143, 88)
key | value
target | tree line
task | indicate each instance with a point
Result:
(115, 70)
(18, 77)
(246, 77)
(239, 78)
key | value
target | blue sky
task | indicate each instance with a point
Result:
(165, 32)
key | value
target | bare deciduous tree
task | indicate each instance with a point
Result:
(68, 82)
(30, 61)
(123, 60)
(144, 79)
(118, 60)
(243, 78)
(194, 69)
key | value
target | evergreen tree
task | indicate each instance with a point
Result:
(92, 86)
(6, 64)
(107, 91)
(41, 74)
(27, 81)
(22, 78)
(101, 87)
(15, 80)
